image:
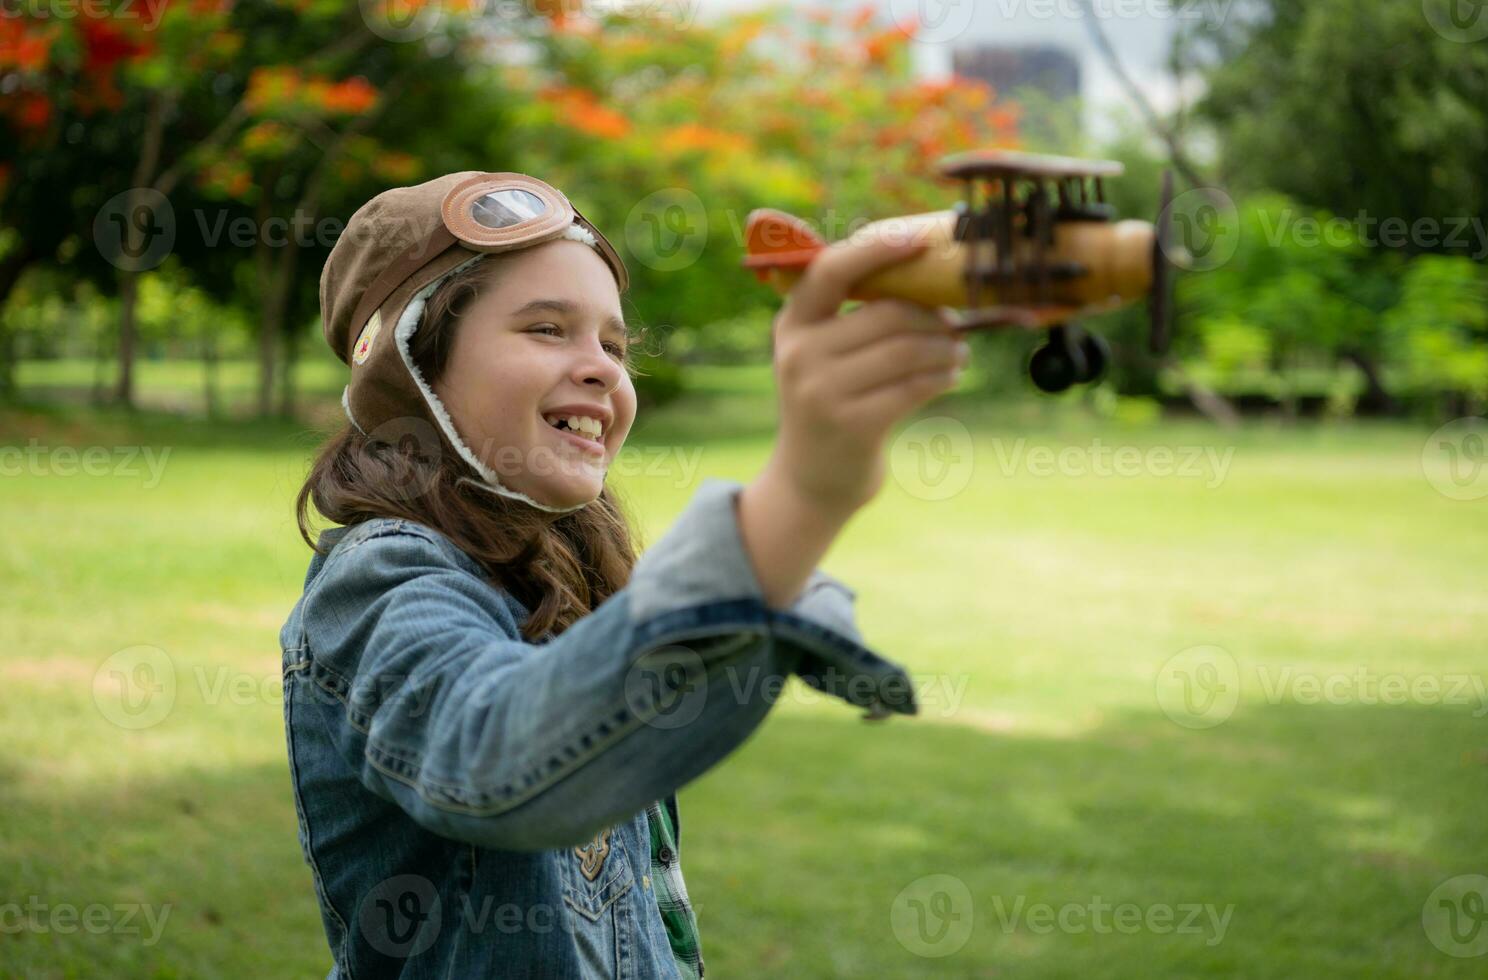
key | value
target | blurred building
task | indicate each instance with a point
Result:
(1037, 73)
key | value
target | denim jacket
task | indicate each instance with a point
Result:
(471, 804)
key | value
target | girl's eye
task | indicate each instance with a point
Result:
(618, 350)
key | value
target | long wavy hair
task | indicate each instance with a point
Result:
(559, 566)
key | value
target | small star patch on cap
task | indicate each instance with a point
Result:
(368, 334)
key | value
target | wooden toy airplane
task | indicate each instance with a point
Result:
(1018, 258)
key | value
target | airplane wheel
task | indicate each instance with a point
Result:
(1051, 369)
(1097, 355)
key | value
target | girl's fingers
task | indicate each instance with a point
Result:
(875, 320)
(890, 403)
(830, 277)
(891, 360)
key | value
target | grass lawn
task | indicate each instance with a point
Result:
(1063, 805)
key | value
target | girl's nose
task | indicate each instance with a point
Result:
(596, 367)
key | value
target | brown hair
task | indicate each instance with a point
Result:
(559, 566)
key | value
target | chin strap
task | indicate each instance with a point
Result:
(499, 490)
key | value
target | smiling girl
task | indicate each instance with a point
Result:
(489, 700)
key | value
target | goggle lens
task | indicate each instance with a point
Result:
(506, 208)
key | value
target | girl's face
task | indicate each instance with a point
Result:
(546, 339)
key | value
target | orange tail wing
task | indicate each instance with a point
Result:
(776, 240)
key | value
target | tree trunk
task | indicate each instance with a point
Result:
(209, 371)
(287, 273)
(11, 268)
(128, 291)
(270, 315)
(268, 333)
(7, 358)
(1375, 400)
(100, 362)
(1212, 404)
(287, 372)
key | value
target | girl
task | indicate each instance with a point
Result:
(489, 702)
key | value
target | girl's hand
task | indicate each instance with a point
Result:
(845, 380)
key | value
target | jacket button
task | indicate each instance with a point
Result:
(665, 854)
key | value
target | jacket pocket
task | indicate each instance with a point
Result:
(597, 887)
(596, 874)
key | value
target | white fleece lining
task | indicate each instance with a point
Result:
(403, 333)
(346, 405)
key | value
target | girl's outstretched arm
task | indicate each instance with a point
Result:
(842, 382)
(411, 665)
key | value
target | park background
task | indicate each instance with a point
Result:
(1206, 635)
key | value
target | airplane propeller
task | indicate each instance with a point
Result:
(1160, 303)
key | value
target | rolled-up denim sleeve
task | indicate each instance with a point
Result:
(481, 736)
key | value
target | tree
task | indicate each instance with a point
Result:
(1349, 107)
(669, 136)
(1438, 332)
(322, 134)
(154, 139)
(98, 94)
(1375, 113)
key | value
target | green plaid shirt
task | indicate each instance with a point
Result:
(671, 893)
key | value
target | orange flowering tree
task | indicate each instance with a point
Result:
(53, 72)
(282, 111)
(218, 135)
(671, 133)
(89, 127)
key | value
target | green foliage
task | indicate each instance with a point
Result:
(1234, 347)
(659, 381)
(1301, 292)
(1280, 307)
(1350, 107)
(1438, 333)
(739, 339)
(1376, 114)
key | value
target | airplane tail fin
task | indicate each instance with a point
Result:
(776, 240)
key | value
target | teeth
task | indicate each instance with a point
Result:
(582, 424)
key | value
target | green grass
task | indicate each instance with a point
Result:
(176, 385)
(1037, 611)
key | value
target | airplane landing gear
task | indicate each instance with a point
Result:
(1071, 357)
